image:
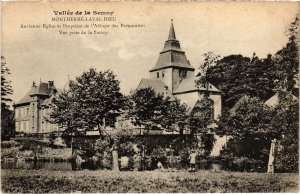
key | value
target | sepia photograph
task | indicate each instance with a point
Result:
(149, 97)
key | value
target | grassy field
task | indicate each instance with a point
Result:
(42, 181)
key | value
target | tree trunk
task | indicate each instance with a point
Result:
(115, 158)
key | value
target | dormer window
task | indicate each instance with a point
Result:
(157, 74)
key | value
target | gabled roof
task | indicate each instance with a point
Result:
(157, 85)
(172, 55)
(189, 85)
(274, 100)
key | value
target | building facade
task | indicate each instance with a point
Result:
(174, 76)
(32, 111)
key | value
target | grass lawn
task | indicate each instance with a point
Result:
(42, 181)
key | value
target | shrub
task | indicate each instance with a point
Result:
(9, 144)
(184, 157)
(158, 155)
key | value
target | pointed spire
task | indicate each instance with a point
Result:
(172, 32)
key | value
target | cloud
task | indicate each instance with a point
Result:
(127, 48)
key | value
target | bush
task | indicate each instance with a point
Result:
(184, 157)
(103, 153)
(9, 144)
(158, 155)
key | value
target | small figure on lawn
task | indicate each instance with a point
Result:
(160, 166)
(192, 161)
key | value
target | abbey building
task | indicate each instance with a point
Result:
(174, 76)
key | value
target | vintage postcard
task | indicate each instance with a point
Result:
(160, 96)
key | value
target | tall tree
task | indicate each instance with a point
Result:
(7, 115)
(6, 88)
(93, 101)
(287, 59)
(154, 111)
(286, 121)
(210, 59)
(248, 123)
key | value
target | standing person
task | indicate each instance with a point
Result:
(192, 160)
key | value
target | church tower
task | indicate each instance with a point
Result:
(172, 65)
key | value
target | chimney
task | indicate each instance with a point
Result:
(51, 87)
(50, 84)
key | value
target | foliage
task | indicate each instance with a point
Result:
(7, 124)
(286, 120)
(201, 116)
(209, 59)
(208, 141)
(248, 123)
(103, 152)
(92, 101)
(9, 144)
(7, 115)
(287, 59)
(261, 77)
(127, 149)
(184, 157)
(258, 78)
(6, 88)
(154, 111)
(159, 155)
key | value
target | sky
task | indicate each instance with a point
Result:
(222, 27)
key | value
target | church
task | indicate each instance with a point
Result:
(174, 76)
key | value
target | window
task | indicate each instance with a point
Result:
(157, 74)
(24, 126)
(182, 73)
(199, 111)
(163, 74)
(19, 113)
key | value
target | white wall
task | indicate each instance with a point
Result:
(167, 79)
(189, 99)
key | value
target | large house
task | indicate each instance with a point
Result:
(174, 76)
(33, 109)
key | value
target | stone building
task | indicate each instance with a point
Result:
(33, 109)
(174, 76)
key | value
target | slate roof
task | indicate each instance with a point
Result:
(172, 55)
(157, 85)
(41, 89)
(188, 85)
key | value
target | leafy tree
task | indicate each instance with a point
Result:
(154, 111)
(7, 115)
(226, 75)
(287, 59)
(210, 59)
(286, 121)
(92, 101)
(6, 88)
(248, 123)
(66, 112)
(200, 119)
